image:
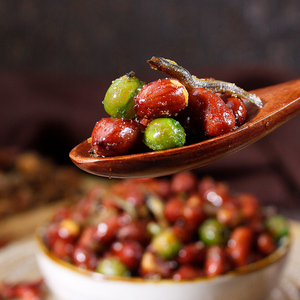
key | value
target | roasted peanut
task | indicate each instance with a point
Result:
(215, 263)
(238, 108)
(187, 272)
(115, 136)
(265, 243)
(184, 182)
(84, 258)
(161, 98)
(129, 252)
(193, 253)
(210, 112)
(239, 245)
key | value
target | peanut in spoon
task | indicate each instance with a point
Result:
(280, 103)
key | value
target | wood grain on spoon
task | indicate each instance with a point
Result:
(281, 102)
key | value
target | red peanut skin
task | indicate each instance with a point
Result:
(239, 245)
(106, 230)
(238, 108)
(90, 258)
(62, 249)
(114, 136)
(129, 252)
(215, 263)
(134, 231)
(265, 243)
(173, 209)
(161, 98)
(193, 253)
(210, 112)
(184, 182)
(187, 272)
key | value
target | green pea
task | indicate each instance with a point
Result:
(212, 232)
(112, 266)
(166, 244)
(277, 225)
(119, 98)
(164, 133)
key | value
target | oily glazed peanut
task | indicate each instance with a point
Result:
(210, 112)
(238, 108)
(239, 245)
(161, 98)
(215, 263)
(113, 136)
(149, 229)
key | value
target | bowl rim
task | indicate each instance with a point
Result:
(278, 254)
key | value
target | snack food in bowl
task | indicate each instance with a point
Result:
(177, 238)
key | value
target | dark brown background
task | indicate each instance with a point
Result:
(58, 57)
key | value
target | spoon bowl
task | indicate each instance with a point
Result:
(281, 103)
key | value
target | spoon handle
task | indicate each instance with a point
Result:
(281, 103)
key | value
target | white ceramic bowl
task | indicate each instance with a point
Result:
(253, 282)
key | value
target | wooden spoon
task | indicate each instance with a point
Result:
(281, 102)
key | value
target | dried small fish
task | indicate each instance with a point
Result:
(190, 81)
